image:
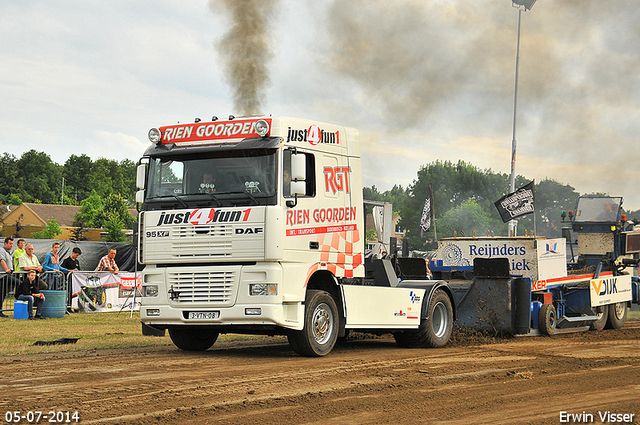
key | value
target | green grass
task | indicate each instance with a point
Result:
(95, 330)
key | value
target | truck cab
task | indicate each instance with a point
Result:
(256, 225)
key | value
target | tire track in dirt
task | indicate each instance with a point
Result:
(368, 380)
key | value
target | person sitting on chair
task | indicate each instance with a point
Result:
(29, 290)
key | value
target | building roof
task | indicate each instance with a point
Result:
(64, 214)
(6, 210)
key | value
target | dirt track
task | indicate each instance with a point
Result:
(365, 380)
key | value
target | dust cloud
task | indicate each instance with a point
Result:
(450, 65)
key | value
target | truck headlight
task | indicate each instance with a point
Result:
(263, 289)
(150, 291)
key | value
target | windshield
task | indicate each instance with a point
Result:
(226, 178)
(604, 210)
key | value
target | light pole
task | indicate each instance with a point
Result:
(526, 5)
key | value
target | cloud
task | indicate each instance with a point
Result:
(422, 81)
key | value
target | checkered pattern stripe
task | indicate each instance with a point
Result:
(337, 254)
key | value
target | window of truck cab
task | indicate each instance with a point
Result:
(222, 178)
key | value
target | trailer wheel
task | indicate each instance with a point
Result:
(603, 314)
(435, 330)
(547, 319)
(320, 332)
(194, 338)
(617, 315)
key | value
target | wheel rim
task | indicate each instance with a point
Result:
(619, 310)
(322, 323)
(599, 312)
(440, 320)
(552, 319)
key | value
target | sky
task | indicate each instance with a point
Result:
(422, 80)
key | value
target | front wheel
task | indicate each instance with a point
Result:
(320, 331)
(435, 330)
(617, 315)
(547, 319)
(193, 339)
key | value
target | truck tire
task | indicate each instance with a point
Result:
(435, 330)
(320, 332)
(193, 339)
(603, 314)
(617, 315)
(547, 319)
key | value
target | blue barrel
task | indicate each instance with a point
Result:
(55, 303)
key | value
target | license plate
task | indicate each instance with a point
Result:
(201, 315)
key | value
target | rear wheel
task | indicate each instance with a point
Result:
(320, 331)
(435, 330)
(194, 338)
(617, 315)
(603, 314)
(547, 319)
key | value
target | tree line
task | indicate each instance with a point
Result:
(104, 189)
(463, 196)
(35, 178)
(463, 202)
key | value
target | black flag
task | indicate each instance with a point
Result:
(427, 212)
(518, 203)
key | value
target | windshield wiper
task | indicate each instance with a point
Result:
(212, 196)
(181, 201)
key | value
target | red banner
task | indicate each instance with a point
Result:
(203, 131)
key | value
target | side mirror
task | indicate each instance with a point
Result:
(141, 174)
(298, 186)
(140, 196)
(298, 166)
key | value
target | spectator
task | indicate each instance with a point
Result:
(71, 263)
(108, 263)
(28, 261)
(51, 263)
(7, 281)
(19, 252)
(29, 290)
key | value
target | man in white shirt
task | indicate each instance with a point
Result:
(28, 261)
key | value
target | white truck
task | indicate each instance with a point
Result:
(256, 225)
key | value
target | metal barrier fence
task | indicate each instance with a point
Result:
(53, 280)
(90, 280)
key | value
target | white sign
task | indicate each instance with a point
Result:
(104, 291)
(552, 258)
(609, 290)
(460, 252)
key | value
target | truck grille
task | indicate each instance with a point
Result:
(202, 287)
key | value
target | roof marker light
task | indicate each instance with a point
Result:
(262, 128)
(155, 136)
